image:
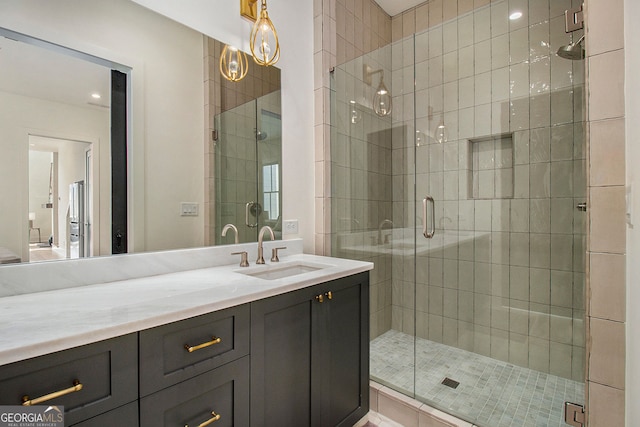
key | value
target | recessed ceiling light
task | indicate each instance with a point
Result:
(96, 96)
(515, 15)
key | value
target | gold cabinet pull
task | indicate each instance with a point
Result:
(77, 386)
(191, 349)
(329, 295)
(320, 298)
(215, 417)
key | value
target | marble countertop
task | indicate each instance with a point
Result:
(39, 323)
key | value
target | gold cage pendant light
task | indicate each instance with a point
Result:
(234, 64)
(265, 46)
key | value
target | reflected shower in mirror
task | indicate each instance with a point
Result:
(246, 151)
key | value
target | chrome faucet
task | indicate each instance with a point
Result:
(232, 227)
(260, 259)
(382, 224)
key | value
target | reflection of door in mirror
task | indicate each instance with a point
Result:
(55, 165)
(246, 155)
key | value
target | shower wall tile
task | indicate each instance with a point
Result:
(606, 406)
(608, 225)
(607, 286)
(606, 100)
(606, 26)
(607, 153)
(607, 361)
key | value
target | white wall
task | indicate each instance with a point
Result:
(19, 117)
(632, 112)
(294, 22)
(167, 103)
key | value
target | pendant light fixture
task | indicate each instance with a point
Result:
(233, 63)
(382, 103)
(264, 44)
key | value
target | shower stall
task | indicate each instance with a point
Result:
(458, 168)
(248, 159)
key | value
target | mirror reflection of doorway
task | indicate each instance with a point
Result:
(56, 167)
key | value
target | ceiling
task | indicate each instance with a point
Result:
(394, 7)
(37, 72)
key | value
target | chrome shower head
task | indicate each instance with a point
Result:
(573, 52)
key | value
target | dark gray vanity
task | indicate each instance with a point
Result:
(298, 358)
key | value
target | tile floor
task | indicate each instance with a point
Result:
(491, 393)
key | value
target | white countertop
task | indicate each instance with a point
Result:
(35, 324)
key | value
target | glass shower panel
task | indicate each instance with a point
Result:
(269, 163)
(249, 168)
(372, 201)
(236, 172)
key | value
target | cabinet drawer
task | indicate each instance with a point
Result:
(124, 416)
(107, 370)
(222, 392)
(215, 339)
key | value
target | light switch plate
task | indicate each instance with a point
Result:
(290, 226)
(188, 209)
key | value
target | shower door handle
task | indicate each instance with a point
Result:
(428, 233)
(247, 208)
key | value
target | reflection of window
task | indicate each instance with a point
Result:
(271, 190)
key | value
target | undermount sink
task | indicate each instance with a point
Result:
(281, 271)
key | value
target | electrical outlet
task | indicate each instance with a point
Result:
(188, 209)
(290, 226)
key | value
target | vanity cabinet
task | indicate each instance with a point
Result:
(310, 355)
(296, 359)
(93, 379)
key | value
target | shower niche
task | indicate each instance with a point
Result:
(491, 167)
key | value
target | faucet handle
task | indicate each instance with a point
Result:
(274, 254)
(244, 258)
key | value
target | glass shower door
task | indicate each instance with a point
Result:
(500, 167)
(248, 160)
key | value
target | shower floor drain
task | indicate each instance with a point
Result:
(450, 383)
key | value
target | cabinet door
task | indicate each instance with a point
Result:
(281, 361)
(346, 365)
(219, 398)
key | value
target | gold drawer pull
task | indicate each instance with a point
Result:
(214, 340)
(215, 418)
(30, 402)
(329, 295)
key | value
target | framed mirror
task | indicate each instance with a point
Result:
(174, 175)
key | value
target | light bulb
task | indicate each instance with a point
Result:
(441, 132)
(355, 114)
(382, 100)
(265, 50)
